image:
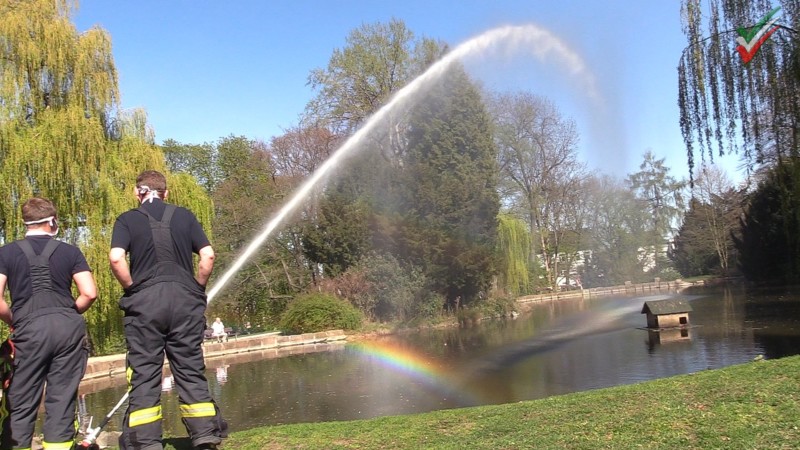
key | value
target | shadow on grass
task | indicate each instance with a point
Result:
(181, 443)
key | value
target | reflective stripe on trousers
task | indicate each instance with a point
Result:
(144, 416)
(198, 410)
(57, 445)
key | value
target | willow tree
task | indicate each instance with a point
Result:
(728, 105)
(63, 137)
(513, 249)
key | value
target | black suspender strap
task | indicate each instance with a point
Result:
(44, 299)
(40, 264)
(162, 236)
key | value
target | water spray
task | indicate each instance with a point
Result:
(540, 41)
(89, 441)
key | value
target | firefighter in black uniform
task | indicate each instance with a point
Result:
(48, 331)
(164, 305)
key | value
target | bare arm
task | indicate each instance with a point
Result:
(206, 265)
(119, 267)
(87, 290)
(5, 310)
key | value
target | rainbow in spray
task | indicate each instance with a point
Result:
(431, 374)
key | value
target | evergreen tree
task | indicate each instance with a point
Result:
(339, 235)
(248, 192)
(378, 60)
(661, 196)
(769, 246)
(449, 200)
(196, 160)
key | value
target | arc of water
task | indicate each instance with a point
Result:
(543, 44)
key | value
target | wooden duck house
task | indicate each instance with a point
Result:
(671, 313)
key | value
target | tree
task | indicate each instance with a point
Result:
(339, 235)
(301, 150)
(62, 136)
(694, 251)
(661, 195)
(197, 160)
(725, 206)
(422, 175)
(753, 107)
(449, 201)
(48, 65)
(248, 193)
(514, 257)
(732, 105)
(379, 60)
(540, 173)
(618, 228)
(769, 245)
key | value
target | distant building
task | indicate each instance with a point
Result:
(672, 313)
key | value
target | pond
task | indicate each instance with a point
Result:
(557, 347)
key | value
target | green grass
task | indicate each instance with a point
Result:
(749, 406)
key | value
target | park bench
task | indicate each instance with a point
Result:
(229, 331)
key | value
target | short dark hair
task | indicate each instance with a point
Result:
(155, 180)
(37, 208)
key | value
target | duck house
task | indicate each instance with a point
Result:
(671, 313)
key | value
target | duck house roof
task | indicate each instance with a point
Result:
(672, 306)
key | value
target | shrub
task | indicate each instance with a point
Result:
(500, 306)
(353, 286)
(319, 312)
(384, 290)
(489, 308)
(429, 305)
(400, 292)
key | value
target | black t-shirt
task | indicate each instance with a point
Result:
(133, 234)
(66, 261)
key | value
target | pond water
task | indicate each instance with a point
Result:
(557, 347)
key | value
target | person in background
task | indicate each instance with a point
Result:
(48, 331)
(218, 330)
(164, 305)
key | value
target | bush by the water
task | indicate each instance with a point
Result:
(319, 312)
(385, 290)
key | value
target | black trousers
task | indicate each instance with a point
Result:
(167, 318)
(51, 350)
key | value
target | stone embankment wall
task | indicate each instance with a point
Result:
(114, 365)
(627, 288)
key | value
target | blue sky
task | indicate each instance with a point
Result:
(207, 69)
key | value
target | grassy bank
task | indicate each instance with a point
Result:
(749, 406)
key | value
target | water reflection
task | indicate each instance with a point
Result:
(658, 337)
(222, 374)
(167, 383)
(558, 347)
